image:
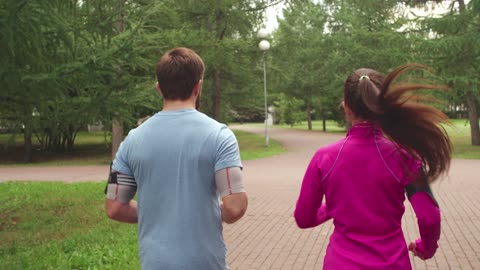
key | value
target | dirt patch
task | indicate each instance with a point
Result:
(7, 221)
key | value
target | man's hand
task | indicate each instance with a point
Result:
(234, 207)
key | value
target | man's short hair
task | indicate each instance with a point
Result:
(178, 70)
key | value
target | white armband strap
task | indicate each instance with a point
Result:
(121, 187)
(229, 181)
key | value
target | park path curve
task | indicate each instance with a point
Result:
(267, 237)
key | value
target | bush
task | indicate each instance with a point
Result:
(289, 110)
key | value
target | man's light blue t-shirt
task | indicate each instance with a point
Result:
(174, 156)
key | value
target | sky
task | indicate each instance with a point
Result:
(271, 16)
(272, 12)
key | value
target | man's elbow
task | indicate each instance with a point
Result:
(234, 213)
(112, 213)
(234, 207)
(112, 209)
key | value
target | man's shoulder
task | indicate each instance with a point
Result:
(209, 120)
(135, 132)
(220, 129)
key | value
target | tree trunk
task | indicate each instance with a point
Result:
(117, 135)
(309, 115)
(119, 18)
(27, 143)
(70, 143)
(117, 125)
(220, 29)
(473, 118)
(216, 95)
(461, 5)
(471, 101)
(324, 122)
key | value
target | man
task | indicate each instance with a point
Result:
(179, 161)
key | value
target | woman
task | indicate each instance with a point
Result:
(395, 145)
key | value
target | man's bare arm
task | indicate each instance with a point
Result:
(234, 207)
(122, 212)
(234, 198)
(120, 191)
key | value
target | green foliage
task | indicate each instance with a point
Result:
(67, 66)
(68, 63)
(452, 48)
(92, 148)
(450, 45)
(326, 41)
(247, 114)
(298, 57)
(288, 110)
(73, 62)
(331, 126)
(223, 33)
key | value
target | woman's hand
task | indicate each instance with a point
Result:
(416, 249)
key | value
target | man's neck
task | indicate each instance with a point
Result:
(174, 105)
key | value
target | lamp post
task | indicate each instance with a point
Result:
(264, 45)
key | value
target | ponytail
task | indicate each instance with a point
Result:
(402, 114)
(414, 125)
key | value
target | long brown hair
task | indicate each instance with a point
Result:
(403, 114)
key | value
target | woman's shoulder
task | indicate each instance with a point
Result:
(328, 151)
(401, 162)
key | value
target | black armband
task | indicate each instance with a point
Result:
(413, 188)
(120, 187)
(112, 178)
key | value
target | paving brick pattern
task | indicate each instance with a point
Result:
(267, 237)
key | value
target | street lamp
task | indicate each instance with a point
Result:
(264, 45)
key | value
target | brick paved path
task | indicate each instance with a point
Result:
(267, 237)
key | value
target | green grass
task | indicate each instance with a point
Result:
(91, 149)
(459, 133)
(62, 226)
(253, 146)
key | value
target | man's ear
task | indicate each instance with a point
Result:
(158, 89)
(197, 88)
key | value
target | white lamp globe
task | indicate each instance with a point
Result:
(262, 33)
(264, 45)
